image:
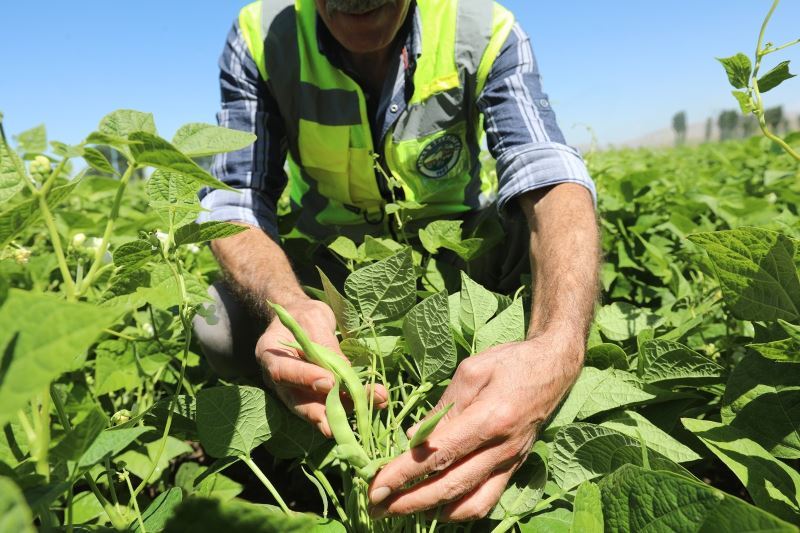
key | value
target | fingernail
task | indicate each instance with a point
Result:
(380, 494)
(378, 512)
(322, 385)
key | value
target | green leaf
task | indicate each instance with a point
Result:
(42, 337)
(109, 443)
(344, 247)
(142, 463)
(604, 356)
(173, 197)
(745, 102)
(95, 159)
(523, 492)
(134, 254)
(233, 420)
(439, 234)
(478, 305)
(587, 509)
(346, 314)
(756, 270)
(670, 502)
(428, 425)
(582, 452)
(14, 512)
(738, 68)
(183, 417)
(206, 514)
(33, 140)
(199, 140)
(775, 77)
(123, 122)
(772, 484)
(507, 326)
(784, 350)
(636, 426)
(77, 441)
(668, 362)
(199, 481)
(427, 331)
(10, 180)
(20, 216)
(762, 399)
(597, 391)
(378, 248)
(385, 289)
(558, 520)
(207, 231)
(156, 152)
(620, 321)
(159, 511)
(296, 438)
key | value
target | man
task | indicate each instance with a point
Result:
(336, 83)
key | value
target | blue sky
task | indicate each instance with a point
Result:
(622, 67)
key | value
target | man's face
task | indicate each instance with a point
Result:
(363, 26)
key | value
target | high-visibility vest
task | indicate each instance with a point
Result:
(432, 150)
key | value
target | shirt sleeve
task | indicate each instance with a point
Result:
(257, 172)
(521, 129)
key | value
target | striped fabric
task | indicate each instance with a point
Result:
(521, 129)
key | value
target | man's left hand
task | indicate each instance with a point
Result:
(501, 397)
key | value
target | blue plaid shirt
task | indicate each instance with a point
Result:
(521, 130)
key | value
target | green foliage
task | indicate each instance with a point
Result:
(102, 275)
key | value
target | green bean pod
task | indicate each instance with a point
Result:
(330, 360)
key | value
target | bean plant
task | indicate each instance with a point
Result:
(684, 418)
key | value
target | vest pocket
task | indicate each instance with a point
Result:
(325, 156)
(435, 167)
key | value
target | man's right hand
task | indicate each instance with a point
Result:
(302, 385)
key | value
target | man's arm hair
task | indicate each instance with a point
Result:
(257, 269)
(565, 260)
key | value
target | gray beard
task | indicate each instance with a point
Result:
(354, 7)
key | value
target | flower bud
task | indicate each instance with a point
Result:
(22, 255)
(40, 165)
(78, 239)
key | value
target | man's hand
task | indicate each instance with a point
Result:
(302, 385)
(501, 398)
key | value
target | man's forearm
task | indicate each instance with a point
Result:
(258, 269)
(565, 258)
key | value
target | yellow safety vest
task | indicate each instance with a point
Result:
(433, 146)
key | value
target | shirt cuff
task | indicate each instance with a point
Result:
(243, 205)
(529, 167)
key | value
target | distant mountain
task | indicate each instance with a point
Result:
(695, 134)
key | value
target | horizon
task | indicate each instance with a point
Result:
(611, 69)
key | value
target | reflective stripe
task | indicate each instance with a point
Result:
(330, 107)
(282, 58)
(473, 33)
(438, 112)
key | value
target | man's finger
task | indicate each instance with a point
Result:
(449, 442)
(284, 369)
(453, 484)
(480, 501)
(308, 405)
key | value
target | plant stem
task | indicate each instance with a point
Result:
(326, 485)
(43, 466)
(173, 403)
(135, 503)
(759, 111)
(69, 284)
(112, 218)
(111, 512)
(270, 487)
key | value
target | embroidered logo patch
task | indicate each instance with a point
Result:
(439, 156)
